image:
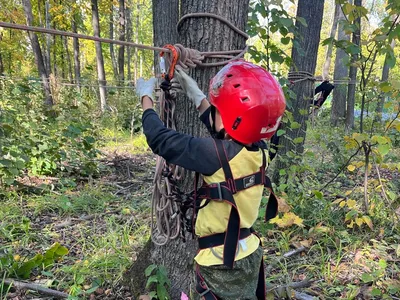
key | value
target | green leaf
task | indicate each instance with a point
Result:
(161, 292)
(302, 21)
(327, 41)
(286, 22)
(150, 280)
(382, 263)
(365, 277)
(280, 132)
(384, 149)
(62, 251)
(298, 140)
(276, 57)
(385, 87)
(285, 40)
(318, 194)
(149, 270)
(153, 295)
(376, 292)
(295, 125)
(348, 8)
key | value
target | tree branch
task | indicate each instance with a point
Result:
(35, 287)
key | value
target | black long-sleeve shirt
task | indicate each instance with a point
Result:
(192, 153)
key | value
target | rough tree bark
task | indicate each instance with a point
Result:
(48, 38)
(341, 72)
(77, 61)
(111, 35)
(382, 98)
(204, 34)
(304, 57)
(1, 58)
(69, 62)
(351, 96)
(136, 64)
(328, 59)
(128, 14)
(99, 57)
(121, 49)
(37, 51)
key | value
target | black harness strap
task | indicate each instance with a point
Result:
(202, 287)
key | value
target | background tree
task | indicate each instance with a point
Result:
(304, 58)
(328, 60)
(37, 51)
(341, 73)
(121, 49)
(99, 56)
(356, 37)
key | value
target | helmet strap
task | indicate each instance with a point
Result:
(216, 134)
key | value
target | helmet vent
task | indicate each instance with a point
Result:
(229, 75)
(245, 99)
(236, 85)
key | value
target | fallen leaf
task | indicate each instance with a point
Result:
(282, 205)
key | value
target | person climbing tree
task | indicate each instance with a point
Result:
(246, 106)
(324, 89)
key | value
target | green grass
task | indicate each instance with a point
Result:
(123, 142)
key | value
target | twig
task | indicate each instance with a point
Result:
(35, 287)
(294, 252)
(303, 296)
(341, 169)
(294, 285)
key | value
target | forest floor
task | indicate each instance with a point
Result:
(104, 222)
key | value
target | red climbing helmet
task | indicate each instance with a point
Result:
(249, 99)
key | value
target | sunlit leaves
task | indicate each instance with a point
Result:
(288, 219)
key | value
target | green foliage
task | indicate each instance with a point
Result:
(17, 267)
(41, 143)
(157, 278)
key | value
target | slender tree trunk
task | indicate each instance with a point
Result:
(341, 72)
(38, 54)
(69, 62)
(204, 34)
(304, 57)
(328, 60)
(382, 98)
(77, 61)
(353, 72)
(121, 50)
(129, 37)
(48, 38)
(137, 39)
(1, 57)
(112, 52)
(99, 57)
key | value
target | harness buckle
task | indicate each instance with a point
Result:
(219, 191)
(207, 290)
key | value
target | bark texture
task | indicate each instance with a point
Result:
(112, 52)
(204, 34)
(341, 72)
(121, 49)
(351, 96)
(328, 59)
(77, 61)
(99, 57)
(382, 98)
(304, 57)
(37, 51)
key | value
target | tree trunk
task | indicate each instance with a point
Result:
(341, 72)
(203, 34)
(328, 60)
(128, 14)
(304, 57)
(69, 63)
(48, 39)
(136, 68)
(38, 54)
(99, 57)
(112, 53)
(77, 61)
(382, 98)
(121, 50)
(1, 58)
(351, 97)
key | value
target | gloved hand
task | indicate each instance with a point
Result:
(145, 87)
(182, 82)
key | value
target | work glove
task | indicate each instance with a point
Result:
(145, 87)
(183, 83)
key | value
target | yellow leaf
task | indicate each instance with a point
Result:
(351, 224)
(351, 203)
(342, 204)
(368, 221)
(348, 193)
(359, 221)
(337, 201)
(351, 168)
(288, 219)
(17, 257)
